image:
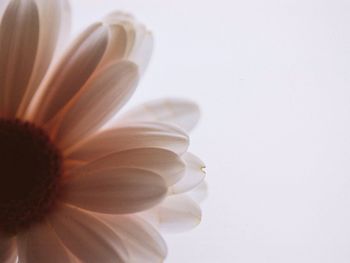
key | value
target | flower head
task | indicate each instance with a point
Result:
(71, 190)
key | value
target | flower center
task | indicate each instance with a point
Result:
(30, 169)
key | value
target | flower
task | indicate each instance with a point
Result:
(73, 189)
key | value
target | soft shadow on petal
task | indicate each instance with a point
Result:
(163, 162)
(194, 174)
(142, 240)
(41, 244)
(115, 190)
(87, 237)
(182, 113)
(131, 136)
(8, 253)
(19, 37)
(199, 193)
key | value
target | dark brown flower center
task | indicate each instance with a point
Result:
(30, 169)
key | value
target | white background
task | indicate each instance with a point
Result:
(273, 81)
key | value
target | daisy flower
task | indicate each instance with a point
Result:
(71, 189)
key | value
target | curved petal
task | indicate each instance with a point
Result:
(133, 136)
(87, 237)
(41, 243)
(115, 191)
(54, 17)
(143, 242)
(199, 193)
(194, 174)
(8, 252)
(70, 74)
(19, 37)
(165, 163)
(182, 113)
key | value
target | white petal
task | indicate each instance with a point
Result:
(70, 74)
(116, 190)
(19, 36)
(100, 99)
(194, 174)
(143, 242)
(199, 193)
(8, 252)
(182, 113)
(87, 237)
(178, 214)
(41, 243)
(163, 162)
(133, 136)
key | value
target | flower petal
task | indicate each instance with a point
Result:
(199, 193)
(100, 99)
(133, 136)
(115, 190)
(182, 113)
(41, 243)
(194, 174)
(70, 74)
(8, 252)
(87, 237)
(143, 242)
(19, 36)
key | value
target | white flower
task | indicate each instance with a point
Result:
(71, 191)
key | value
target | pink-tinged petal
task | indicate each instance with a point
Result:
(101, 98)
(8, 251)
(87, 237)
(194, 174)
(133, 136)
(54, 17)
(19, 37)
(70, 74)
(3, 6)
(182, 113)
(199, 193)
(163, 162)
(142, 240)
(115, 190)
(41, 244)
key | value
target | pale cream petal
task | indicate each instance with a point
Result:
(163, 162)
(194, 174)
(133, 136)
(199, 193)
(178, 214)
(8, 251)
(87, 237)
(115, 190)
(41, 244)
(19, 36)
(66, 80)
(54, 17)
(142, 240)
(182, 113)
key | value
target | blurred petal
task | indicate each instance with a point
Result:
(182, 113)
(199, 193)
(133, 136)
(19, 36)
(41, 243)
(115, 191)
(87, 237)
(8, 252)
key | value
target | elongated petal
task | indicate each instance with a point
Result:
(19, 36)
(143, 242)
(8, 252)
(133, 136)
(54, 17)
(116, 190)
(70, 74)
(87, 237)
(100, 99)
(39, 244)
(199, 193)
(163, 162)
(182, 113)
(194, 174)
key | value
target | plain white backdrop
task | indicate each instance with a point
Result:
(273, 81)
